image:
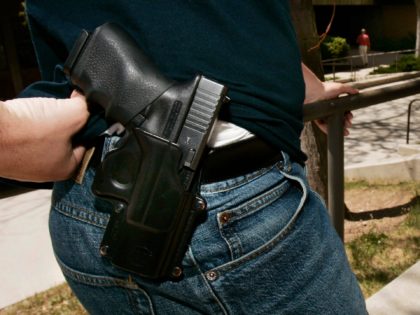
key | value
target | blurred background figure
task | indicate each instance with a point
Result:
(363, 41)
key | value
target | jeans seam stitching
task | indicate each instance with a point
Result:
(133, 299)
(98, 280)
(104, 282)
(249, 179)
(258, 202)
(273, 241)
(66, 209)
(203, 276)
(72, 206)
(251, 206)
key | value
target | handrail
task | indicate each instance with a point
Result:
(333, 60)
(349, 61)
(363, 99)
(334, 111)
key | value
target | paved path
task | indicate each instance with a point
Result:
(399, 297)
(379, 131)
(27, 263)
(376, 148)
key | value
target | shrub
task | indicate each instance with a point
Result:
(334, 47)
(405, 64)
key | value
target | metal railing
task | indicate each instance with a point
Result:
(375, 60)
(410, 105)
(334, 110)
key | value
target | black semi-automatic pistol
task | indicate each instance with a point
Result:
(151, 178)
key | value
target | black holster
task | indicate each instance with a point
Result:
(151, 178)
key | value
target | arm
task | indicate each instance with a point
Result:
(316, 90)
(35, 137)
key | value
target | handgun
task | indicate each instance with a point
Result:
(152, 176)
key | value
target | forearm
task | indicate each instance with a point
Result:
(317, 90)
(35, 138)
(4, 135)
(314, 87)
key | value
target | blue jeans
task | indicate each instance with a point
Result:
(267, 247)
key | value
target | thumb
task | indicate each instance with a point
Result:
(78, 153)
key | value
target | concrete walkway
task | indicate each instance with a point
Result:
(27, 262)
(28, 265)
(378, 139)
(376, 148)
(400, 297)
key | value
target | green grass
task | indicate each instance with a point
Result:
(410, 186)
(378, 258)
(55, 301)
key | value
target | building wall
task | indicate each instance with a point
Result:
(398, 21)
(390, 26)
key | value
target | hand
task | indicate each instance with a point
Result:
(36, 137)
(327, 90)
(316, 90)
(323, 124)
(332, 90)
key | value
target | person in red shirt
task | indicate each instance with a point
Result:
(363, 41)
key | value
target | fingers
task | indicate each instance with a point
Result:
(76, 93)
(348, 89)
(78, 153)
(347, 123)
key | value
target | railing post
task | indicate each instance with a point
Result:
(336, 171)
(408, 119)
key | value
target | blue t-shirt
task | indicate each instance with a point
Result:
(248, 45)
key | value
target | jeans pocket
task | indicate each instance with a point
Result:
(104, 294)
(100, 287)
(257, 225)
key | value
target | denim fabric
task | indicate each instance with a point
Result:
(267, 247)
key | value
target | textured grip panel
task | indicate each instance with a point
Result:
(114, 72)
(200, 120)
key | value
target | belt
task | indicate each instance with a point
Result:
(238, 159)
(229, 161)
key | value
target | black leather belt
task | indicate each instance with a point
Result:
(229, 161)
(238, 159)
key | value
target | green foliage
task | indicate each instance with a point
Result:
(334, 47)
(367, 247)
(406, 63)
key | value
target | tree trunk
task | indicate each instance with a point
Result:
(418, 29)
(314, 142)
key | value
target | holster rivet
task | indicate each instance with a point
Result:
(119, 208)
(104, 250)
(177, 272)
(200, 204)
